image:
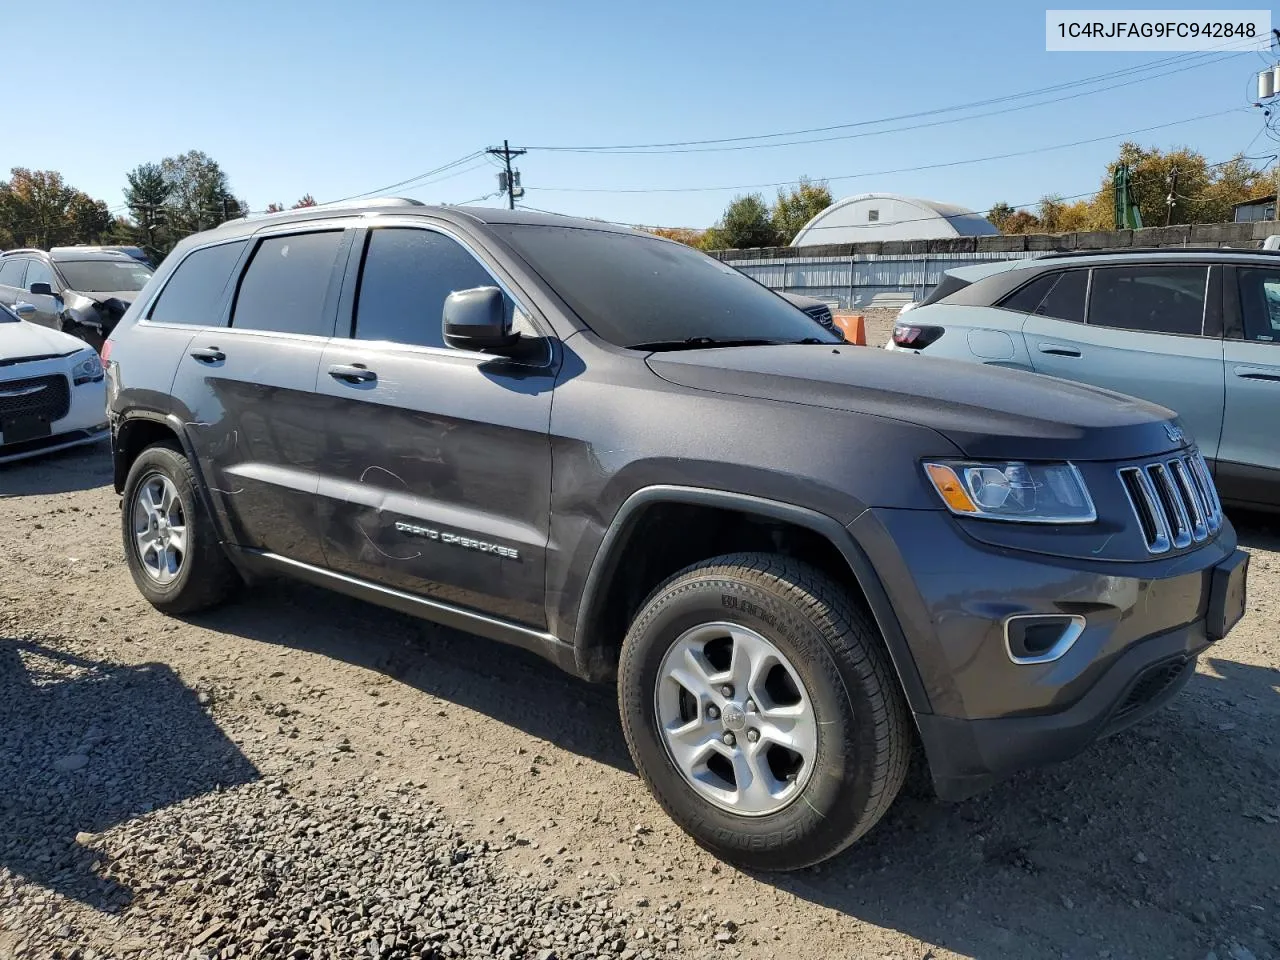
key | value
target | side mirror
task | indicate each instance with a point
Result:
(41, 290)
(476, 319)
(24, 309)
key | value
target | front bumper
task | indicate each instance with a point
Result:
(989, 716)
(85, 420)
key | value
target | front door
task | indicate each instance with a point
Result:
(247, 392)
(48, 305)
(1248, 468)
(1144, 334)
(437, 462)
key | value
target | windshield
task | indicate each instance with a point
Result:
(631, 289)
(8, 316)
(105, 276)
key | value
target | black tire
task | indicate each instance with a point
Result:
(864, 734)
(205, 577)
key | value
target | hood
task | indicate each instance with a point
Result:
(22, 340)
(988, 412)
(74, 298)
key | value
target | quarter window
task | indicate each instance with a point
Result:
(11, 272)
(194, 293)
(284, 288)
(1151, 298)
(406, 277)
(1260, 303)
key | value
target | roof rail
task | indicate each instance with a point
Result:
(24, 250)
(1109, 251)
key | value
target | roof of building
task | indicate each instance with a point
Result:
(1269, 198)
(965, 222)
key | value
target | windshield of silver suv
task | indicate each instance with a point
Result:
(636, 291)
(104, 276)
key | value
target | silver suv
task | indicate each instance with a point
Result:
(1196, 330)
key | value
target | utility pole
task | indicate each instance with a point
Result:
(1169, 200)
(508, 182)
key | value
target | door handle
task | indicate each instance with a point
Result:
(208, 355)
(1058, 350)
(1257, 373)
(352, 373)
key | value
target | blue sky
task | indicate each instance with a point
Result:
(336, 98)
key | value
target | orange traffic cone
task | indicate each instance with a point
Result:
(853, 326)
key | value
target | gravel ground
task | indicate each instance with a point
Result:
(300, 775)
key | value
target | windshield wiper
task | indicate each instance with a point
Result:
(696, 343)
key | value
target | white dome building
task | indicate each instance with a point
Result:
(887, 216)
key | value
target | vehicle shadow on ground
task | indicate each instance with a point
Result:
(510, 685)
(1144, 833)
(67, 471)
(87, 745)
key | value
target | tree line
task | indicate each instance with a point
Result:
(1202, 192)
(1178, 186)
(165, 201)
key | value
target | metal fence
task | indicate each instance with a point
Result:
(850, 282)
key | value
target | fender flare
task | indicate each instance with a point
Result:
(176, 427)
(608, 556)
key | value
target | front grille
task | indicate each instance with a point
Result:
(46, 397)
(1151, 684)
(1174, 500)
(821, 313)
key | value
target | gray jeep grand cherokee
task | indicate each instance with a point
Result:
(799, 559)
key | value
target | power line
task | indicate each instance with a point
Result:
(878, 173)
(740, 143)
(414, 179)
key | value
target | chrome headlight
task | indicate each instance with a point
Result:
(87, 367)
(1013, 490)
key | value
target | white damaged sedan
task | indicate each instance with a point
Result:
(52, 393)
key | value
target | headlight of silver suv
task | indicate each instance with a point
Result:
(86, 368)
(1013, 490)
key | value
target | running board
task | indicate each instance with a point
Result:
(537, 641)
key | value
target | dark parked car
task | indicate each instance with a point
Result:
(82, 291)
(797, 558)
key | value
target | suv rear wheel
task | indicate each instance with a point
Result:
(169, 542)
(760, 708)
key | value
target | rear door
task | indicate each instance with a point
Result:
(1248, 467)
(11, 288)
(437, 476)
(1151, 330)
(247, 390)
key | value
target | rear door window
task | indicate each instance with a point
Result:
(1154, 298)
(194, 293)
(11, 272)
(286, 284)
(1026, 299)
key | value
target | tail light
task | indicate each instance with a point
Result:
(915, 337)
(106, 352)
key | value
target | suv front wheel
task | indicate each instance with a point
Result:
(169, 541)
(760, 708)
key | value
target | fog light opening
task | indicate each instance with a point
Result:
(1041, 638)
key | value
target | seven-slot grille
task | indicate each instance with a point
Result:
(1175, 501)
(48, 398)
